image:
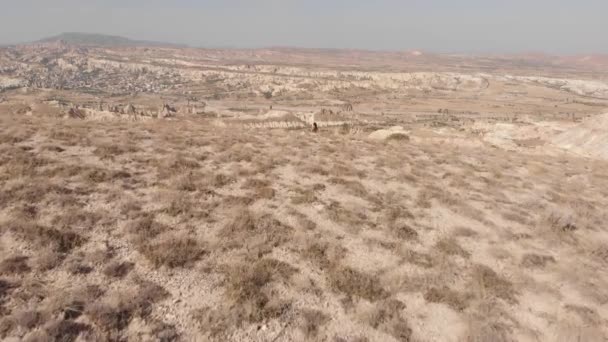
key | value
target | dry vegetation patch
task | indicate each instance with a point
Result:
(455, 300)
(354, 283)
(490, 284)
(172, 251)
(284, 234)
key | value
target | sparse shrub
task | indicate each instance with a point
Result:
(489, 283)
(337, 213)
(114, 314)
(14, 265)
(323, 254)
(65, 330)
(172, 251)
(146, 227)
(117, 269)
(29, 319)
(78, 266)
(260, 233)
(531, 260)
(464, 232)
(419, 259)
(248, 286)
(265, 193)
(445, 295)
(304, 196)
(354, 187)
(403, 231)
(354, 283)
(63, 241)
(221, 180)
(387, 317)
(450, 246)
(112, 150)
(311, 322)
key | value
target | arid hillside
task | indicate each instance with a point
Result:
(190, 229)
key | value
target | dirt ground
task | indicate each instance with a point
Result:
(189, 230)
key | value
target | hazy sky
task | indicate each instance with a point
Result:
(555, 26)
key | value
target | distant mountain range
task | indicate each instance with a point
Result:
(94, 39)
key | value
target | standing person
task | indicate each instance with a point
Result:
(315, 128)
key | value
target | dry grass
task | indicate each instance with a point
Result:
(312, 322)
(285, 235)
(118, 269)
(14, 265)
(172, 251)
(445, 295)
(114, 314)
(489, 284)
(387, 317)
(63, 241)
(354, 283)
(450, 246)
(532, 260)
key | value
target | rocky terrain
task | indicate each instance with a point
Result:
(161, 193)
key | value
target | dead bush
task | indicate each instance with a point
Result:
(255, 183)
(354, 283)
(423, 200)
(387, 317)
(53, 148)
(561, 223)
(77, 265)
(304, 196)
(419, 259)
(76, 218)
(172, 251)
(464, 232)
(450, 246)
(601, 253)
(339, 214)
(531, 260)
(323, 254)
(354, 187)
(515, 217)
(186, 183)
(311, 322)
(405, 232)
(214, 322)
(65, 330)
(115, 313)
(146, 227)
(19, 163)
(265, 193)
(304, 221)
(98, 176)
(490, 284)
(14, 265)
(445, 295)
(487, 331)
(118, 269)
(249, 288)
(29, 319)
(221, 180)
(260, 233)
(182, 205)
(62, 241)
(588, 315)
(113, 150)
(5, 288)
